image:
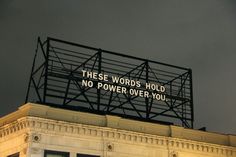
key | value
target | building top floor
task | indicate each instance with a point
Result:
(115, 122)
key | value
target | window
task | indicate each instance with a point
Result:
(50, 153)
(86, 155)
(14, 155)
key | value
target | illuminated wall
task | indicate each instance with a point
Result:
(37, 131)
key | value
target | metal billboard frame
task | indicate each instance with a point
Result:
(55, 80)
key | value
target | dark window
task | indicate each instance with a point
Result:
(86, 155)
(14, 155)
(50, 153)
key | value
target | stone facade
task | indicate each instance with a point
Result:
(35, 128)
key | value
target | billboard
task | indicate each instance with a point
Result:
(78, 77)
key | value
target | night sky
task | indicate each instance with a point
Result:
(198, 34)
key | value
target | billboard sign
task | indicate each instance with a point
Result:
(78, 77)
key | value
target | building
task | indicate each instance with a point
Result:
(82, 119)
(36, 130)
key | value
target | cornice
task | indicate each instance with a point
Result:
(42, 126)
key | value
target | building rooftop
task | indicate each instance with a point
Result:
(115, 122)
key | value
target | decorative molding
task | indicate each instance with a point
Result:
(35, 124)
(26, 138)
(110, 147)
(36, 137)
(14, 127)
(173, 154)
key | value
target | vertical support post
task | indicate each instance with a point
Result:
(171, 98)
(99, 71)
(146, 99)
(182, 106)
(46, 71)
(191, 95)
